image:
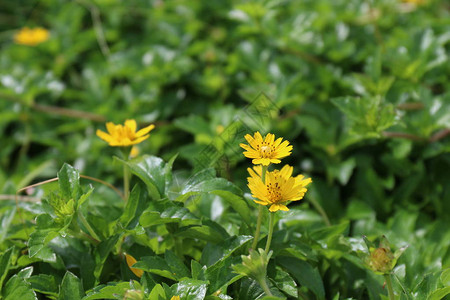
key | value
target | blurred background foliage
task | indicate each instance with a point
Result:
(360, 88)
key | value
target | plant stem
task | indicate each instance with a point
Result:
(88, 226)
(258, 227)
(126, 182)
(260, 212)
(320, 209)
(389, 286)
(269, 236)
(126, 172)
(265, 287)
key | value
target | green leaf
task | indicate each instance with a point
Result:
(305, 274)
(202, 232)
(284, 282)
(110, 291)
(5, 263)
(367, 116)
(5, 222)
(445, 277)
(101, 253)
(194, 124)
(71, 288)
(135, 206)
(157, 293)
(176, 265)
(44, 284)
(238, 203)
(26, 272)
(219, 260)
(46, 231)
(69, 183)
(439, 293)
(84, 197)
(328, 232)
(213, 254)
(18, 288)
(156, 265)
(152, 171)
(190, 289)
(166, 211)
(198, 271)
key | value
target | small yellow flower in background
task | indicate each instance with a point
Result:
(131, 261)
(266, 150)
(124, 135)
(175, 298)
(278, 188)
(416, 2)
(31, 37)
(134, 152)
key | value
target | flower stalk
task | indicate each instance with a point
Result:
(269, 236)
(387, 277)
(260, 211)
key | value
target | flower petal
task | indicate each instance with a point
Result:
(131, 124)
(145, 130)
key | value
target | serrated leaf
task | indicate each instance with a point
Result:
(152, 171)
(155, 265)
(445, 277)
(71, 288)
(46, 231)
(190, 289)
(170, 213)
(176, 265)
(134, 208)
(44, 284)
(157, 293)
(18, 288)
(84, 197)
(237, 203)
(110, 291)
(5, 263)
(304, 273)
(101, 253)
(201, 232)
(439, 293)
(26, 272)
(5, 222)
(69, 183)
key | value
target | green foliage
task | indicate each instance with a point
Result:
(361, 89)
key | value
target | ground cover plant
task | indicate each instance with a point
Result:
(224, 149)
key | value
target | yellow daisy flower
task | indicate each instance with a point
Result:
(416, 2)
(278, 188)
(175, 298)
(31, 37)
(126, 135)
(130, 262)
(266, 151)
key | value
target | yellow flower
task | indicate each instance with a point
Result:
(126, 135)
(131, 261)
(31, 37)
(134, 151)
(266, 151)
(278, 188)
(416, 2)
(175, 298)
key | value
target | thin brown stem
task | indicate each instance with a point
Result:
(439, 135)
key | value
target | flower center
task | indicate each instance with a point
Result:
(266, 151)
(274, 192)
